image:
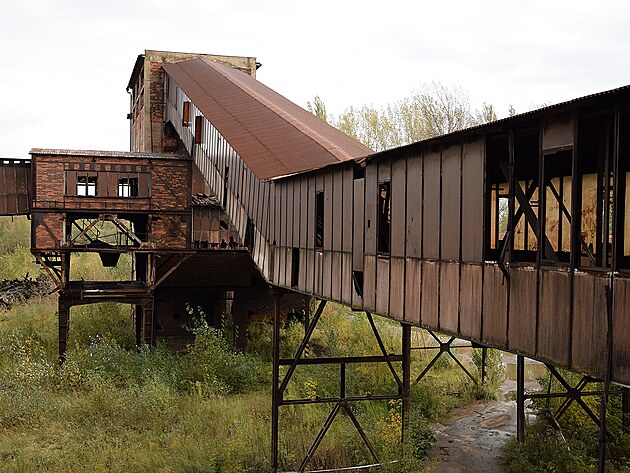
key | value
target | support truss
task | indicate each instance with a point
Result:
(342, 401)
(446, 348)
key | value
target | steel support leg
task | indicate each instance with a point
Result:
(149, 323)
(484, 359)
(64, 322)
(139, 313)
(626, 410)
(275, 395)
(406, 379)
(520, 398)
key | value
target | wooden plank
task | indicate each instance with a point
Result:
(397, 290)
(371, 190)
(522, 316)
(494, 313)
(326, 290)
(358, 222)
(382, 285)
(302, 279)
(310, 230)
(470, 297)
(310, 271)
(337, 206)
(472, 202)
(336, 276)
(431, 206)
(449, 297)
(369, 281)
(328, 209)
(348, 190)
(590, 321)
(429, 295)
(414, 207)
(318, 273)
(553, 317)
(304, 215)
(346, 282)
(451, 203)
(412, 290)
(398, 191)
(621, 332)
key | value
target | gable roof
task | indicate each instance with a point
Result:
(273, 136)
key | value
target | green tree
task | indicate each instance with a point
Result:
(318, 108)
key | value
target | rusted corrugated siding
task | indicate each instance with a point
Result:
(273, 136)
(553, 317)
(522, 329)
(15, 187)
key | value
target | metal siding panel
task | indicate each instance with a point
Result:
(412, 290)
(430, 288)
(290, 207)
(450, 225)
(310, 241)
(431, 207)
(414, 206)
(621, 325)
(522, 316)
(398, 198)
(318, 275)
(347, 209)
(358, 223)
(494, 307)
(470, 301)
(337, 206)
(304, 213)
(384, 169)
(302, 276)
(327, 274)
(336, 276)
(590, 324)
(371, 190)
(369, 281)
(382, 286)
(283, 213)
(558, 131)
(397, 290)
(310, 271)
(328, 210)
(553, 317)
(472, 202)
(449, 297)
(297, 217)
(346, 282)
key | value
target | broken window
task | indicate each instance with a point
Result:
(86, 185)
(319, 219)
(128, 187)
(384, 218)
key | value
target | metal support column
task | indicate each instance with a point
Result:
(520, 398)
(275, 395)
(64, 320)
(149, 322)
(139, 313)
(626, 410)
(406, 378)
(484, 359)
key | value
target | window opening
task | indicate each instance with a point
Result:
(295, 266)
(86, 185)
(128, 187)
(198, 134)
(384, 218)
(319, 219)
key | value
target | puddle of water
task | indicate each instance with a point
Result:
(533, 371)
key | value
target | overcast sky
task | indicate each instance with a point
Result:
(66, 63)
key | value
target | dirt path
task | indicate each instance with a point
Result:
(470, 440)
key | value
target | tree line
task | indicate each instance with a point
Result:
(435, 109)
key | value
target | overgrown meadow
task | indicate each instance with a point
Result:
(114, 407)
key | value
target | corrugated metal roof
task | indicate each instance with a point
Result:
(272, 135)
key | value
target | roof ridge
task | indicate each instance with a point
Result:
(329, 146)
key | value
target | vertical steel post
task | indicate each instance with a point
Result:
(484, 357)
(520, 398)
(406, 378)
(626, 410)
(64, 318)
(275, 395)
